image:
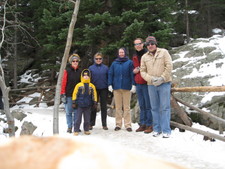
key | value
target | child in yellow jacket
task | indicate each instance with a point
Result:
(84, 98)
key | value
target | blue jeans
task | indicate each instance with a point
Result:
(160, 104)
(144, 104)
(70, 112)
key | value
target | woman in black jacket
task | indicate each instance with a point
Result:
(70, 78)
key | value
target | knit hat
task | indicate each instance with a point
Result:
(72, 57)
(86, 72)
(151, 39)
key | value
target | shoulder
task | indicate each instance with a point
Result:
(105, 66)
(79, 69)
(92, 66)
(79, 85)
(129, 61)
(68, 68)
(92, 85)
(114, 63)
(146, 54)
(162, 50)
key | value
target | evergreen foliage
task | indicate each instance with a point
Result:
(104, 25)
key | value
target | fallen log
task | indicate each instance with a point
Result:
(200, 89)
(31, 88)
(198, 131)
(202, 112)
(180, 112)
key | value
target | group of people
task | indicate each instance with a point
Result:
(148, 74)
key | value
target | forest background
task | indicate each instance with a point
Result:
(35, 32)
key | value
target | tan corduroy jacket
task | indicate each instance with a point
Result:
(159, 65)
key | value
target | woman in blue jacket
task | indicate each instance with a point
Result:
(99, 78)
(120, 81)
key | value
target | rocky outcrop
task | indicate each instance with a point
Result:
(199, 64)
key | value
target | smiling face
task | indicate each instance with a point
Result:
(98, 59)
(151, 46)
(121, 53)
(138, 45)
(75, 63)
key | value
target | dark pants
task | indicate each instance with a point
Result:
(85, 111)
(103, 95)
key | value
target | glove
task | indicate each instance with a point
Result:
(154, 79)
(158, 81)
(74, 105)
(63, 98)
(94, 105)
(133, 89)
(110, 88)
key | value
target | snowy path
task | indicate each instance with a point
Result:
(185, 148)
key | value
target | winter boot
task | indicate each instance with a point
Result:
(141, 128)
(87, 132)
(148, 130)
(69, 130)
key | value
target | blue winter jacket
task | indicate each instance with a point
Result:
(121, 75)
(99, 75)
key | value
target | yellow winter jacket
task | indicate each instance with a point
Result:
(84, 93)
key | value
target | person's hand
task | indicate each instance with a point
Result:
(74, 105)
(94, 105)
(63, 98)
(110, 88)
(136, 70)
(158, 81)
(154, 79)
(133, 89)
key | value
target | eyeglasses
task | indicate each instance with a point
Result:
(150, 43)
(75, 61)
(137, 44)
(98, 58)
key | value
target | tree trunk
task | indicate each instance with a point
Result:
(15, 50)
(5, 90)
(220, 120)
(204, 133)
(200, 89)
(10, 119)
(180, 112)
(187, 21)
(63, 65)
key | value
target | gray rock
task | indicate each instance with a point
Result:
(27, 128)
(18, 114)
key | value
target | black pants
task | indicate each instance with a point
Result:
(85, 112)
(103, 95)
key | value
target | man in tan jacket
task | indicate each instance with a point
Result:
(156, 69)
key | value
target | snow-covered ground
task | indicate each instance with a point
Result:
(184, 148)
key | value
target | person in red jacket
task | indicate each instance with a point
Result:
(71, 77)
(145, 120)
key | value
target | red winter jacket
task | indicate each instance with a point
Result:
(137, 77)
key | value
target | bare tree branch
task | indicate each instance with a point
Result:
(5, 90)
